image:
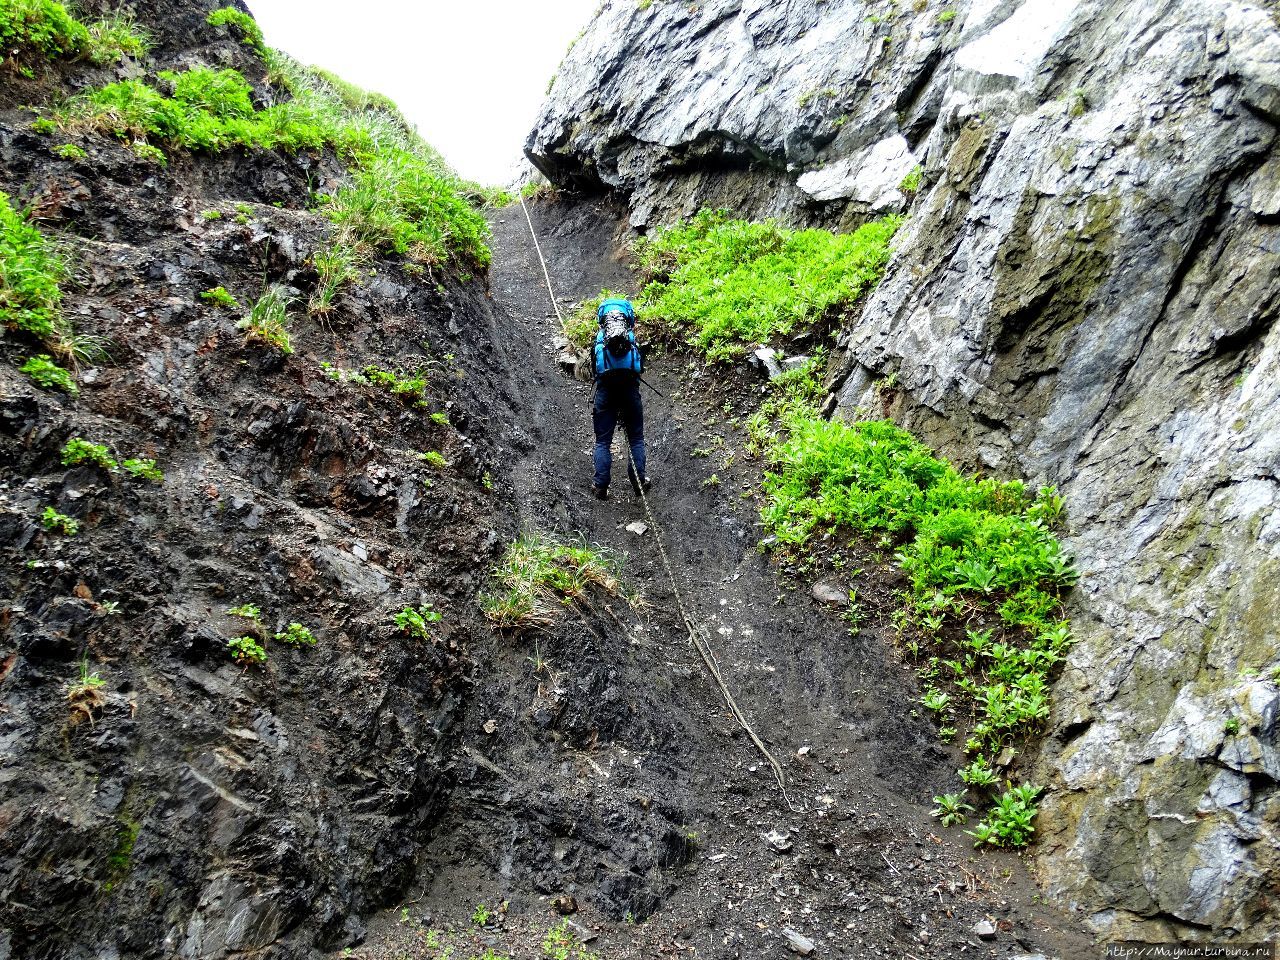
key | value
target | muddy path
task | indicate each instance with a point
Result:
(616, 779)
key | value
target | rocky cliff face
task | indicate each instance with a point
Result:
(1084, 295)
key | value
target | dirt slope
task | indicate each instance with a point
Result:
(623, 782)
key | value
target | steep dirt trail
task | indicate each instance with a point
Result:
(624, 781)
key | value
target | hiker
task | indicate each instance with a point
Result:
(616, 364)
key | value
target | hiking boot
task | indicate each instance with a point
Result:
(600, 493)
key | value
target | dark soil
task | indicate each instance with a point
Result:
(620, 780)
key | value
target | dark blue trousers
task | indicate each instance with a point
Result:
(617, 399)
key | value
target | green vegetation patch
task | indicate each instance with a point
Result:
(48, 375)
(30, 273)
(268, 320)
(77, 451)
(986, 571)
(537, 576)
(724, 284)
(244, 26)
(46, 30)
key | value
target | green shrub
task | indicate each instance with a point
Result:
(117, 36)
(726, 283)
(47, 374)
(538, 575)
(218, 296)
(268, 320)
(30, 273)
(248, 611)
(250, 34)
(946, 16)
(911, 182)
(52, 520)
(48, 31)
(69, 151)
(144, 469)
(41, 27)
(967, 544)
(79, 451)
(247, 650)
(298, 635)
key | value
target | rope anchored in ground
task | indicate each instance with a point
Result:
(698, 635)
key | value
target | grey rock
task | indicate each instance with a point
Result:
(638, 527)
(1084, 295)
(984, 930)
(827, 591)
(798, 942)
(767, 360)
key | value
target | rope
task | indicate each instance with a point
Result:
(697, 634)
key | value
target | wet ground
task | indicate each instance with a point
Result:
(615, 785)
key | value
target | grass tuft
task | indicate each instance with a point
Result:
(537, 576)
(268, 320)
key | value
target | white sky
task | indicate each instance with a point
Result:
(471, 75)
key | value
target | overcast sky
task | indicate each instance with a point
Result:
(470, 74)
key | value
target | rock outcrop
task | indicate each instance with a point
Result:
(1084, 295)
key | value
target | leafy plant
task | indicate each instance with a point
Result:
(724, 283)
(47, 374)
(412, 387)
(911, 182)
(481, 916)
(218, 296)
(537, 575)
(1010, 822)
(950, 808)
(84, 682)
(143, 469)
(52, 520)
(298, 635)
(561, 943)
(247, 650)
(1231, 727)
(30, 274)
(434, 458)
(978, 774)
(946, 16)
(69, 151)
(250, 34)
(79, 451)
(249, 611)
(268, 319)
(413, 621)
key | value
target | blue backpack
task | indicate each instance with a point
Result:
(616, 349)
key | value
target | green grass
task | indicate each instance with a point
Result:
(723, 284)
(243, 27)
(48, 375)
(401, 199)
(268, 320)
(537, 576)
(30, 273)
(42, 29)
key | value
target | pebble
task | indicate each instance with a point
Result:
(638, 527)
(798, 942)
(984, 930)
